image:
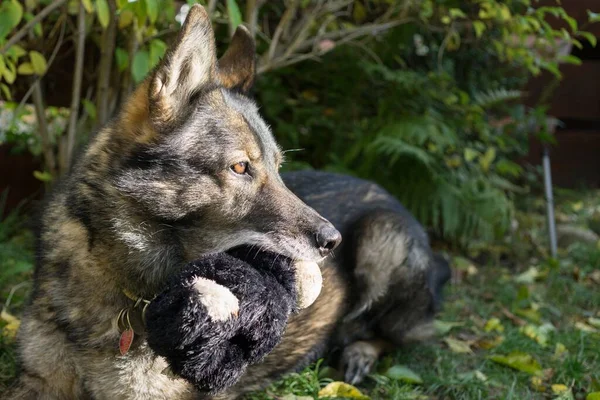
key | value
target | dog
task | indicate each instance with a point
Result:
(188, 167)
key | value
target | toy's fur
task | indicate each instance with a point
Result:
(213, 351)
(154, 190)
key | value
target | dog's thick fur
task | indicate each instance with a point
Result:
(155, 189)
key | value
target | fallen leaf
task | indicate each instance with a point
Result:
(531, 314)
(473, 375)
(403, 374)
(12, 324)
(458, 346)
(294, 397)
(487, 344)
(595, 322)
(582, 326)
(538, 333)
(559, 388)
(493, 324)
(342, 389)
(443, 327)
(528, 276)
(560, 350)
(519, 361)
(537, 384)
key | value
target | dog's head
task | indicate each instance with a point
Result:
(201, 160)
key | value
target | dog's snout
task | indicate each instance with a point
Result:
(328, 238)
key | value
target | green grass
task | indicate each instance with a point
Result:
(565, 293)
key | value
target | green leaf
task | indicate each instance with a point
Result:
(157, 51)
(38, 62)
(140, 65)
(43, 176)
(470, 154)
(520, 361)
(507, 167)
(5, 91)
(479, 27)
(570, 59)
(25, 69)
(234, 14)
(593, 396)
(590, 37)
(443, 327)
(90, 108)
(122, 59)
(10, 72)
(15, 51)
(2, 66)
(152, 10)
(593, 17)
(11, 13)
(457, 13)
(103, 12)
(486, 160)
(403, 374)
(89, 7)
(359, 13)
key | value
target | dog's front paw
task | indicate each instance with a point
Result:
(358, 360)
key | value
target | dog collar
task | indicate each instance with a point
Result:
(131, 321)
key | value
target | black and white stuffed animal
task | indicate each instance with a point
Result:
(226, 311)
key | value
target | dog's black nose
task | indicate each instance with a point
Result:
(328, 239)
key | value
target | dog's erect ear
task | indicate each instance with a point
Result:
(237, 67)
(190, 65)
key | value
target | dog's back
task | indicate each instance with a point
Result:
(395, 279)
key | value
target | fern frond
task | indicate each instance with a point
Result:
(496, 96)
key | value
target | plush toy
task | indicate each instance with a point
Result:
(226, 311)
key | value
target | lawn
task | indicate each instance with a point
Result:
(515, 325)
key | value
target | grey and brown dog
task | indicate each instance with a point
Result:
(188, 167)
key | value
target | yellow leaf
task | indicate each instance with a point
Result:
(582, 326)
(12, 324)
(25, 69)
(89, 7)
(595, 322)
(125, 18)
(537, 384)
(38, 62)
(577, 206)
(341, 389)
(559, 388)
(458, 346)
(487, 344)
(560, 350)
(519, 361)
(493, 324)
(538, 333)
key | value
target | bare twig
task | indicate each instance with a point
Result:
(126, 81)
(106, 58)
(286, 18)
(59, 43)
(67, 154)
(212, 4)
(252, 8)
(27, 27)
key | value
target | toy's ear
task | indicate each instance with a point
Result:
(237, 67)
(190, 65)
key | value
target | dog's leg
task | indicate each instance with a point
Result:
(359, 358)
(47, 372)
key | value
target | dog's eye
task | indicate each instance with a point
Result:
(240, 168)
